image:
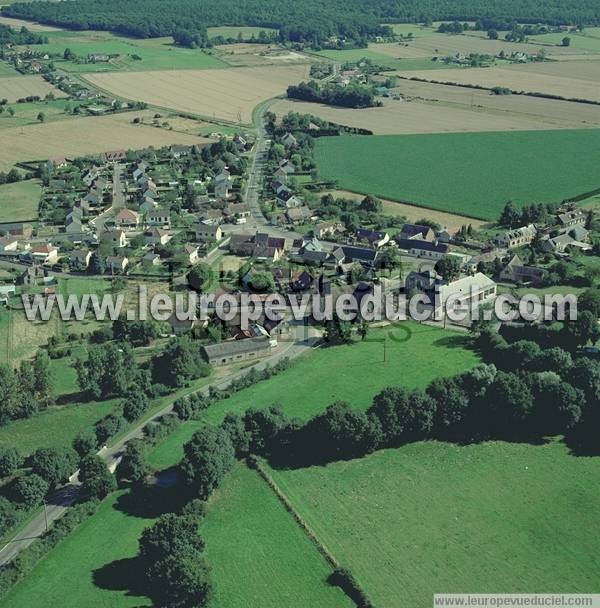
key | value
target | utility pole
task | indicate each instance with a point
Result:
(46, 516)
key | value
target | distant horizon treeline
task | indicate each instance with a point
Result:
(309, 21)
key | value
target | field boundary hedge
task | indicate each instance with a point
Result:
(481, 87)
(352, 591)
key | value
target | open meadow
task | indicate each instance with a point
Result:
(127, 54)
(80, 136)
(229, 94)
(19, 201)
(275, 562)
(559, 78)
(523, 166)
(353, 373)
(273, 557)
(440, 518)
(18, 87)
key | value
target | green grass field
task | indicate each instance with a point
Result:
(308, 387)
(155, 53)
(583, 41)
(245, 526)
(27, 113)
(275, 562)
(352, 373)
(7, 70)
(438, 518)
(469, 173)
(65, 578)
(19, 201)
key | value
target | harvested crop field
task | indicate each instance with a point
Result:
(519, 78)
(79, 136)
(228, 94)
(397, 117)
(17, 24)
(17, 87)
(471, 174)
(444, 44)
(550, 112)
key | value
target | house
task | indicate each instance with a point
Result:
(469, 292)
(148, 204)
(156, 236)
(191, 253)
(223, 184)
(301, 281)
(116, 264)
(416, 231)
(80, 258)
(424, 249)
(127, 219)
(560, 244)
(289, 141)
(177, 151)
(93, 198)
(259, 245)
(159, 217)
(516, 272)
(73, 225)
(5, 292)
(212, 216)
(98, 57)
(298, 215)
(116, 238)
(90, 176)
(367, 257)
(237, 210)
(373, 238)
(324, 229)
(115, 156)
(233, 351)
(208, 232)
(45, 254)
(425, 282)
(518, 237)
(571, 218)
(286, 167)
(151, 259)
(8, 244)
(579, 233)
(31, 275)
(18, 229)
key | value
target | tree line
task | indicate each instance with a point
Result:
(311, 21)
(352, 96)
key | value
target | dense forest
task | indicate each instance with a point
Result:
(310, 21)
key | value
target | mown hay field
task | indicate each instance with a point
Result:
(425, 116)
(561, 79)
(472, 174)
(19, 23)
(18, 87)
(550, 112)
(228, 94)
(440, 518)
(80, 136)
